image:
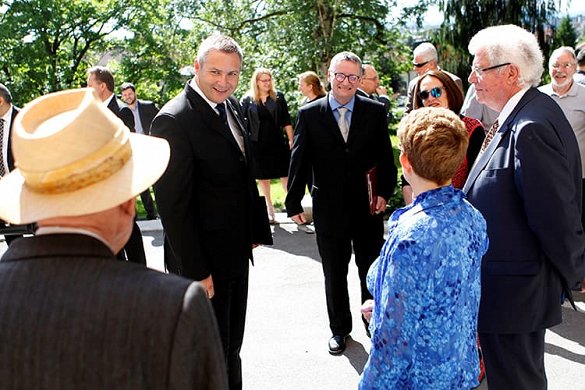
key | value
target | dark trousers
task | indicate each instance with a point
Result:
(133, 251)
(514, 361)
(148, 204)
(335, 256)
(229, 303)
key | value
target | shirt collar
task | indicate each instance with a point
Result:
(108, 100)
(510, 105)
(335, 104)
(8, 115)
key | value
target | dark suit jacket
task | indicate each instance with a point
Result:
(147, 111)
(72, 317)
(527, 184)
(340, 194)
(119, 108)
(250, 111)
(207, 198)
(382, 99)
(9, 155)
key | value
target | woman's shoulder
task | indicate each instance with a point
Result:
(470, 123)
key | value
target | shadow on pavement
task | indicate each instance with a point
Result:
(289, 239)
(570, 329)
(356, 354)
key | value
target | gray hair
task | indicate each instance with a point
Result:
(510, 43)
(560, 51)
(345, 56)
(5, 93)
(427, 50)
(219, 42)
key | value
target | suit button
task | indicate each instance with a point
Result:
(346, 150)
(242, 159)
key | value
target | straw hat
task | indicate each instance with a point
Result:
(75, 157)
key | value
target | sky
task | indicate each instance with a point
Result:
(434, 17)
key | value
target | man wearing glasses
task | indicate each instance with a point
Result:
(526, 182)
(425, 59)
(570, 96)
(338, 140)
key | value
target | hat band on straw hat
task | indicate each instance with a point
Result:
(94, 168)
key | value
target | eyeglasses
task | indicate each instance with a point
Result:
(340, 77)
(421, 64)
(480, 71)
(434, 92)
(265, 80)
(564, 65)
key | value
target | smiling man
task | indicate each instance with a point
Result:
(207, 199)
(526, 182)
(337, 140)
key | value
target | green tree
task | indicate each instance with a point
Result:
(464, 18)
(45, 43)
(566, 34)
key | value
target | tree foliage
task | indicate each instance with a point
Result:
(565, 34)
(464, 18)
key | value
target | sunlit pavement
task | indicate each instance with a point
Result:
(285, 345)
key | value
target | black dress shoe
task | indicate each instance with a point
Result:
(337, 345)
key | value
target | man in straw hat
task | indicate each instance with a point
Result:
(207, 199)
(71, 316)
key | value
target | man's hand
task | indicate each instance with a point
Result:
(299, 219)
(367, 309)
(380, 205)
(381, 90)
(207, 284)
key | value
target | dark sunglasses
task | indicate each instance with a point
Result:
(421, 64)
(435, 92)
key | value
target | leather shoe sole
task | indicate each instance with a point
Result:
(337, 345)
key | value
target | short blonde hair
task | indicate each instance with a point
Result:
(435, 141)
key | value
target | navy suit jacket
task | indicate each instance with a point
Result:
(73, 317)
(527, 184)
(122, 112)
(207, 198)
(338, 169)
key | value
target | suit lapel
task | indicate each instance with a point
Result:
(329, 119)
(210, 118)
(504, 128)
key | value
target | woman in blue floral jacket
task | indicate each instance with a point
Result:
(426, 282)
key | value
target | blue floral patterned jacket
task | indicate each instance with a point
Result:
(426, 288)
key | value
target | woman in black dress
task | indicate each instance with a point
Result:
(271, 133)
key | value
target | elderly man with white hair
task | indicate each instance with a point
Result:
(526, 182)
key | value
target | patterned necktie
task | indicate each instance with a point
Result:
(221, 108)
(342, 122)
(489, 136)
(2, 167)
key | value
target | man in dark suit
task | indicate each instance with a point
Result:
(7, 115)
(527, 184)
(207, 198)
(101, 79)
(143, 112)
(370, 87)
(71, 316)
(337, 140)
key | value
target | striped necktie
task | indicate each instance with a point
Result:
(2, 167)
(489, 136)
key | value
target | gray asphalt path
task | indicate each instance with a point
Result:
(285, 345)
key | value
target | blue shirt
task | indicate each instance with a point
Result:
(334, 104)
(426, 288)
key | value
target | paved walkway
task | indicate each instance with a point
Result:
(285, 347)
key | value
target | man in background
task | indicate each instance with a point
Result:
(370, 87)
(71, 316)
(8, 114)
(579, 75)
(425, 58)
(101, 79)
(570, 96)
(143, 112)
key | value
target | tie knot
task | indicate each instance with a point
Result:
(342, 110)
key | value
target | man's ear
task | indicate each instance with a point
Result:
(129, 207)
